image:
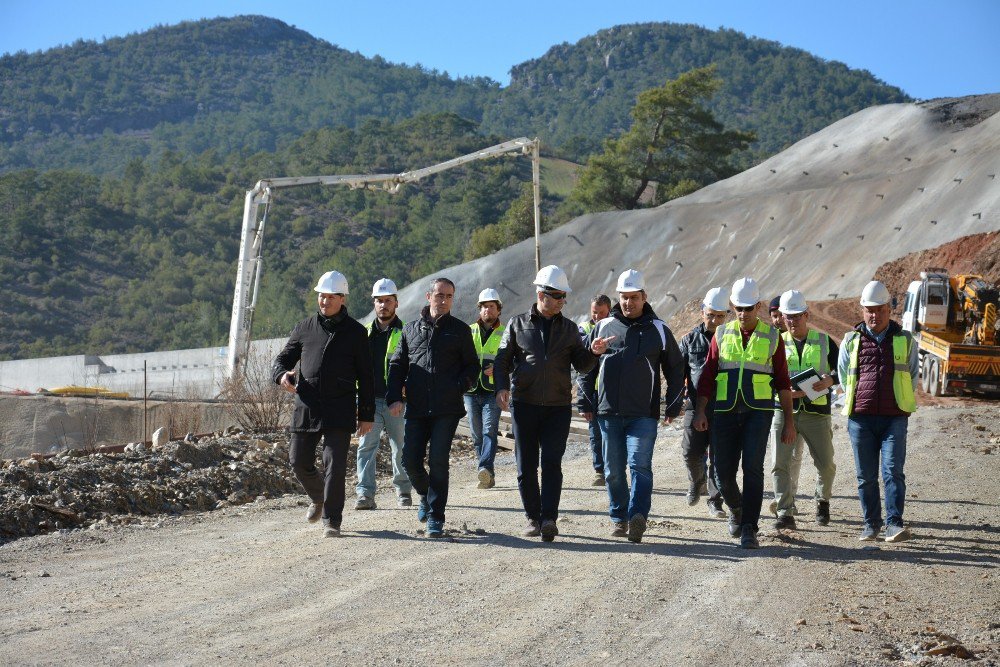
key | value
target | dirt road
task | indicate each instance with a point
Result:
(257, 584)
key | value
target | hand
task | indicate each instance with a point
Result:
(668, 420)
(822, 384)
(364, 428)
(488, 371)
(288, 382)
(589, 416)
(788, 432)
(503, 399)
(600, 345)
(396, 409)
(700, 422)
(799, 394)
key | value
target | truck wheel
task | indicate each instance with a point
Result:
(925, 374)
(935, 376)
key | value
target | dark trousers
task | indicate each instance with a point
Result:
(699, 458)
(540, 432)
(596, 445)
(329, 490)
(435, 433)
(741, 437)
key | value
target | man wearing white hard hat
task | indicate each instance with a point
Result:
(334, 389)
(627, 376)
(532, 374)
(698, 456)
(813, 355)
(600, 307)
(480, 402)
(879, 367)
(384, 333)
(745, 366)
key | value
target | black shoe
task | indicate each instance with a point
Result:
(692, 495)
(748, 538)
(822, 512)
(549, 530)
(785, 521)
(636, 527)
(735, 519)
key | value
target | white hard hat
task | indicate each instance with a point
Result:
(332, 282)
(715, 299)
(551, 277)
(875, 294)
(630, 281)
(384, 287)
(489, 294)
(792, 303)
(745, 293)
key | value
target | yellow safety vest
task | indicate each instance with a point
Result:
(394, 336)
(902, 381)
(745, 372)
(487, 353)
(815, 355)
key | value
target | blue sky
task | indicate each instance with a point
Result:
(929, 48)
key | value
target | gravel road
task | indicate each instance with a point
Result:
(256, 584)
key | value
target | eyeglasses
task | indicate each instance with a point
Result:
(797, 316)
(744, 309)
(717, 316)
(556, 296)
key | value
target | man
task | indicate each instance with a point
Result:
(628, 400)
(695, 444)
(436, 363)
(333, 387)
(879, 367)
(774, 311)
(384, 333)
(805, 349)
(795, 458)
(480, 403)
(535, 356)
(600, 307)
(745, 365)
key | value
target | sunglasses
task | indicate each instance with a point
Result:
(744, 309)
(557, 296)
(797, 316)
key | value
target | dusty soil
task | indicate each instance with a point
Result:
(256, 583)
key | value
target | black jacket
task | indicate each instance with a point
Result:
(539, 373)
(628, 373)
(437, 363)
(694, 349)
(335, 382)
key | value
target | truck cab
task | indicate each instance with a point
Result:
(927, 304)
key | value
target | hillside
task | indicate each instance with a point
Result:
(250, 83)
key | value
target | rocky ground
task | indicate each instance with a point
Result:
(251, 581)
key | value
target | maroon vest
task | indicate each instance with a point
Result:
(874, 394)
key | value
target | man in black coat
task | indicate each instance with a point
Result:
(436, 362)
(334, 395)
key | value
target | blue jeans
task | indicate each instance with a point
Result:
(368, 447)
(596, 445)
(872, 436)
(540, 433)
(484, 420)
(434, 434)
(628, 439)
(741, 437)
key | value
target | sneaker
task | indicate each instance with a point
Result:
(897, 533)
(748, 538)
(735, 519)
(822, 512)
(549, 530)
(598, 479)
(435, 528)
(404, 500)
(715, 509)
(365, 503)
(487, 480)
(619, 529)
(329, 530)
(532, 529)
(785, 521)
(424, 510)
(636, 527)
(314, 512)
(868, 534)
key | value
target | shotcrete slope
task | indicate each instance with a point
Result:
(820, 217)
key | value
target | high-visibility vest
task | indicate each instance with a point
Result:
(815, 355)
(487, 353)
(745, 372)
(902, 381)
(394, 336)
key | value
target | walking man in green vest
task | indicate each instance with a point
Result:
(480, 402)
(806, 350)
(383, 337)
(879, 366)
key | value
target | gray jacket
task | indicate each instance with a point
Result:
(537, 371)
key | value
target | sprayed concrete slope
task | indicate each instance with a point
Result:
(820, 217)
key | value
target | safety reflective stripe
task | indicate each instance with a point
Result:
(815, 354)
(748, 370)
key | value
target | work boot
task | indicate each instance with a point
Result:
(549, 530)
(598, 479)
(314, 512)
(735, 519)
(424, 510)
(748, 538)
(330, 530)
(715, 509)
(365, 503)
(636, 527)
(619, 529)
(404, 500)
(785, 521)
(822, 512)
(532, 529)
(487, 480)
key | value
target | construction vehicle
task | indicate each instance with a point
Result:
(954, 320)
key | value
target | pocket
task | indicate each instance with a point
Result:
(762, 390)
(721, 386)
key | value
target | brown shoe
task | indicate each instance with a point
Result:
(486, 479)
(314, 512)
(598, 479)
(532, 529)
(619, 529)
(549, 530)
(636, 527)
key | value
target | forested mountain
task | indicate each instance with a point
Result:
(250, 83)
